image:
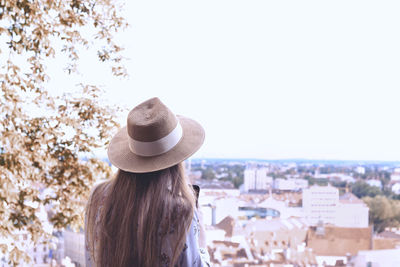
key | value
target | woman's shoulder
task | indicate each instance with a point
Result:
(94, 207)
(97, 194)
(100, 188)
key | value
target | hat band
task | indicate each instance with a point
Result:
(158, 147)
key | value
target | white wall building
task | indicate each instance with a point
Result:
(374, 182)
(40, 254)
(285, 212)
(263, 181)
(395, 176)
(333, 176)
(214, 210)
(377, 258)
(290, 184)
(74, 246)
(352, 212)
(396, 188)
(320, 203)
(216, 204)
(249, 179)
(360, 170)
(283, 184)
(257, 179)
(323, 203)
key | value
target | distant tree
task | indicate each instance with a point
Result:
(237, 181)
(46, 142)
(362, 189)
(319, 181)
(310, 179)
(340, 184)
(386, 175)
(208, 173)
(383, 212)
(234, 173)
(238, 170)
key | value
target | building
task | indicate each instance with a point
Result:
(40, 254)
(385, 257)
(388, 239)
(352, 212)
(374, 182)
(333, 244)
(290, 184)
(276, 242)
(395, 176)
(74, 247)
(227, 244)
(218, 204)
(257, 179)
(360, 170)
(324, 204)
(396, 188)
(335, 177)
(320, 203)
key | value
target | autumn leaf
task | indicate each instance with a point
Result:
(47, 142)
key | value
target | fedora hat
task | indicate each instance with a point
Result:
(154, 139)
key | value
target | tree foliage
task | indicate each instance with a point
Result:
(362, 189)
(383, 212)
(46, 141)
(208, 173)
(319, 181)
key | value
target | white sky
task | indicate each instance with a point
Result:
(269, 79)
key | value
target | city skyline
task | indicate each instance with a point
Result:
(299, 102)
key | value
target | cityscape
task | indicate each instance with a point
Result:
(300, 164)
(300, 213)
(280, 213)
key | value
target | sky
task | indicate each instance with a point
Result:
(267, 79)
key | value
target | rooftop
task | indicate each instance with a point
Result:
(350, 198)
(351, 240)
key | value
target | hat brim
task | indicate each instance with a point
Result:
(122, 157)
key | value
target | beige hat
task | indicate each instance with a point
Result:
(154, 139)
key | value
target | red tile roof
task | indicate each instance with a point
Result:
(338, 241)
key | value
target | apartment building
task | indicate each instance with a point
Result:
(320, 204)
(257, 179)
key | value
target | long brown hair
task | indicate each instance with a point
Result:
(139, 211)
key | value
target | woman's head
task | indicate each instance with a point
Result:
(154, 139)
(150, 199)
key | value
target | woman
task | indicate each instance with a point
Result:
(146, 215)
